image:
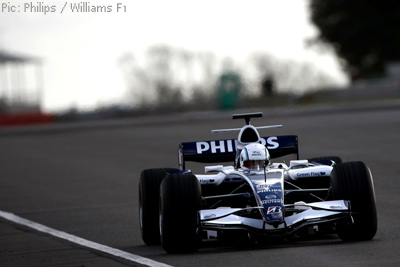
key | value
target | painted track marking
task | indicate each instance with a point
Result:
(80, 241)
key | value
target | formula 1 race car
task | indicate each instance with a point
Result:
(254, 198)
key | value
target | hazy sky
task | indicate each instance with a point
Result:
(81, 49)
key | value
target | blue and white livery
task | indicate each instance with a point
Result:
(256, 194)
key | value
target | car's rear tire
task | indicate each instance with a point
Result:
(149, 193)
(353, 181)
(336, 159)
(180, 202)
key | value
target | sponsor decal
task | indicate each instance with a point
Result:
(224, 146)
(310, 174)
(269, 201)
(264, 187)
(270, 143)
(270, 196)
(268, 190)
(221, 146)
(274, 210)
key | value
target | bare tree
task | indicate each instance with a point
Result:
(289, 75)
(170, 77)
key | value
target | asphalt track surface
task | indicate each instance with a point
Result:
(82, 179)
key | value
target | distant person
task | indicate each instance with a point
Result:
(267, 86)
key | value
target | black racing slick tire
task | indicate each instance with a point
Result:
(149, 193)
(353, 181)
(336, 159)
(180, 202)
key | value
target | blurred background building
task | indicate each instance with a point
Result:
(21, 83)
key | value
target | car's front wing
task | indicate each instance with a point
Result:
(310, 214)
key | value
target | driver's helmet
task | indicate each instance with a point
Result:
(254, 157)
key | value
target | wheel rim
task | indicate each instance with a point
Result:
(160, 221)
(140, 210)
(141, 217)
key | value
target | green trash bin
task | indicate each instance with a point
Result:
(228, 91)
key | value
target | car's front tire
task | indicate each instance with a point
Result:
(353, 181)
(180, 202)
(149, 193)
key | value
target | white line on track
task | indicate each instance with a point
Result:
(81, 242)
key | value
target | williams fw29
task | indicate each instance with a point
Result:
(257, 197)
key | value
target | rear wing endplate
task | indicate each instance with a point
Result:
(225, 150)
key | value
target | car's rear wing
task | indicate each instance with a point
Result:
(225, 150)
